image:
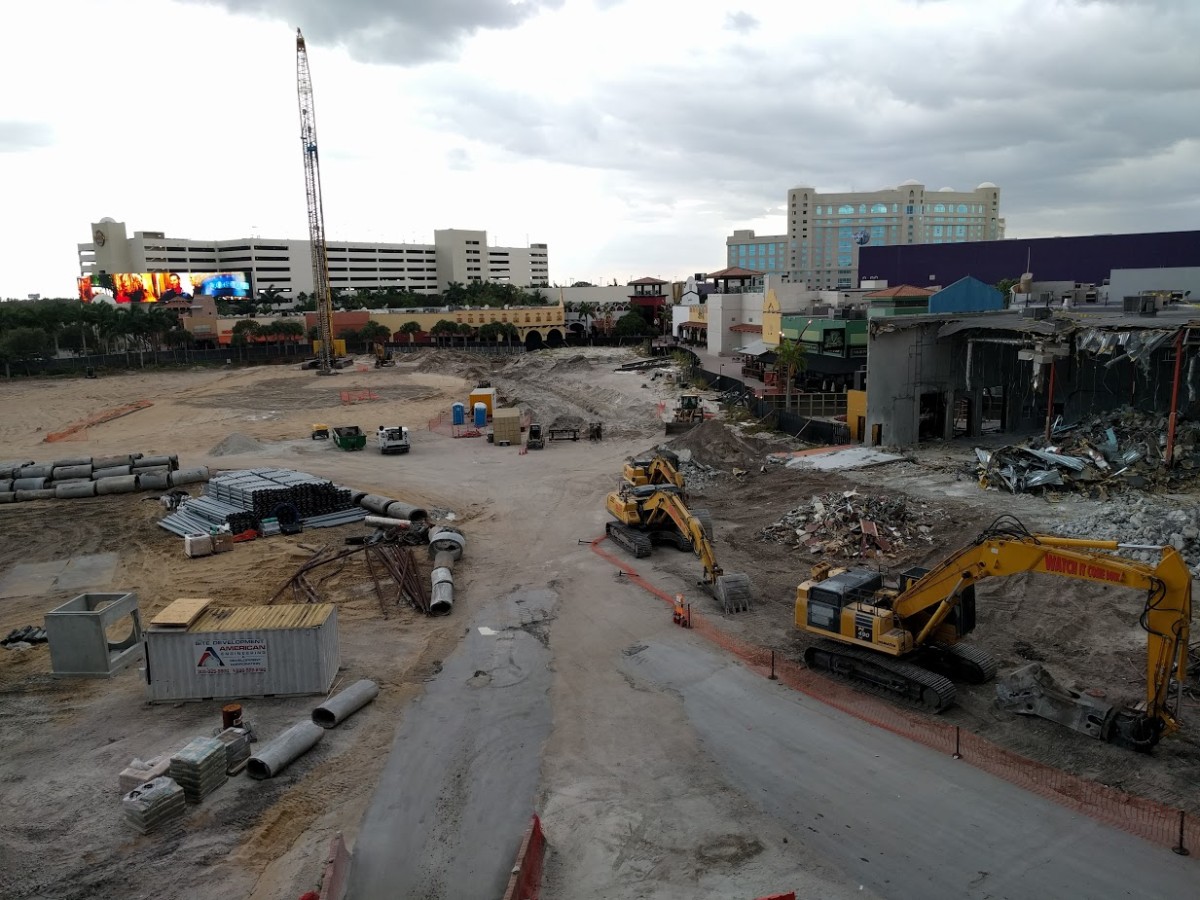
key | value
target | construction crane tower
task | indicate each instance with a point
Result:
(316, 212)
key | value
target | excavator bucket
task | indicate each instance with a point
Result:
(733, 592)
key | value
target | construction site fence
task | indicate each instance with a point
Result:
(1148, 819)
(804, 422)
(178, 356)
(526, 880)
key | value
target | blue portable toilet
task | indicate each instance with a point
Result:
(480, 415)
(459, 413)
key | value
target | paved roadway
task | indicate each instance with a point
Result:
(897, 817)
(457, 793)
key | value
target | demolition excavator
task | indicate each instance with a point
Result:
(661, 468)
(652, 514)
(904, 639)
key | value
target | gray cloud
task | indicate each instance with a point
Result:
(1084, 122)
(740, 21)
(400, 32)
(18, 136)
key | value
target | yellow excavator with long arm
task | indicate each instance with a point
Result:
(661, 468)
(904, 639)
(653, 514)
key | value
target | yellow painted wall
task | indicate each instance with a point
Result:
(525, 318)
(856, 405)
(772, 319)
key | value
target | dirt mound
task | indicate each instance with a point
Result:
(471, 366)
(714, 444)
(237, 444)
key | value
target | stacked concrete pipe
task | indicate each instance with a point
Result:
(87, 476)
(446, 547)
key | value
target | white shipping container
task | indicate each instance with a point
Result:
(245, 651)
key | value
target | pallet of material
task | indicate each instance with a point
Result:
(182, 612)
(506, 427)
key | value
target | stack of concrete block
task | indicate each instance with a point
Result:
(154, 805)
(140, 772)
(237, 748)
(199, 768)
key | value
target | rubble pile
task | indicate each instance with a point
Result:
(1102, 455)
(856, 526)
(1137, 519)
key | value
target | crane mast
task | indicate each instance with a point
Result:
(316, 212)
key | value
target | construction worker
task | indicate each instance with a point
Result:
(679, 612)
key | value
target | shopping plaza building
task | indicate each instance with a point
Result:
(826, 230)
(456, 255)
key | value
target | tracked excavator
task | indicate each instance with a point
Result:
(905, 639)
(662, 468)
(657, 513)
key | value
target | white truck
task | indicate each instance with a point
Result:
(392, 439)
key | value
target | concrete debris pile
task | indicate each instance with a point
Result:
(1137, 519)
(850, 525)
(24, 638)
(712, 443)
(1122, 449)
(88, 476)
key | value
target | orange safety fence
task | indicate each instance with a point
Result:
(349, 397)
(526, 880)
(1145, 818)
(107, 415)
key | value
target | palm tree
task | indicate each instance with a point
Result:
(455, 293)
(411, 329)
(374, 331)
(444, 328)
(790, 360)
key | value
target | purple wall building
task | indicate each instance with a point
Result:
(1087, 259)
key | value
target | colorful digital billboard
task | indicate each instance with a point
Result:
(151, 287)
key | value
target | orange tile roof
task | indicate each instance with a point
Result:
(900, 290)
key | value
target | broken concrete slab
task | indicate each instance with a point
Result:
(839, 458)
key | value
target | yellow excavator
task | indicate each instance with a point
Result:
(905, 639)
(661, 468)
(653, 514)
(383, 356)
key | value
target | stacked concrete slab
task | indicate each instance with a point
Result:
(154, 806)
(87, 476)
(199, 768)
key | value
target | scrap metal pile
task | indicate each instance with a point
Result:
(852, 525)
(1121, 449)
(243, 500)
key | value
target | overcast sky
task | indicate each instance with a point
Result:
(630, 135)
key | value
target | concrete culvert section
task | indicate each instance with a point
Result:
(276, 755)
(346, 703)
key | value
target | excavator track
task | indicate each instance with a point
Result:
(966, 662)
(882, 675)
(733, 591)
(635, 542)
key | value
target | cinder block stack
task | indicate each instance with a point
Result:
(237, 747)
(154, 806)
(199, 768)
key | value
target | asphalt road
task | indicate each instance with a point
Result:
(457, 793)
(897, 817)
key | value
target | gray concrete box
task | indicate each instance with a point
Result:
(78, 634)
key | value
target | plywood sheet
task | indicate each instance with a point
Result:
(182, 613)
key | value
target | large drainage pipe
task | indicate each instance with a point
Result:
(398, 509)
(109, 462)
(112, 471)
(275, 756)
(36, 470)
(122, 484)
(172, 461)
(5, 484)
(443, 538)
(379, 521)
(343, 705)
(73, 491)
(7, 497)
(376, 504)
(66, 473)
(189, 476)
(41, 494)
(446, 546)
(73, 461)
(152, 482)
(28, 483)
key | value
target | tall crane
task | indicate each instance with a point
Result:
(316, 212)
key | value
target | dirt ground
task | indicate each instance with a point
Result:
(66, 741)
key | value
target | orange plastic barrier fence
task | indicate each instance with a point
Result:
(1145, 818)
(358, 396)
(526, 880)
(99, 418)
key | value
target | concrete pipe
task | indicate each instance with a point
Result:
(10, 470)
(5, 485)
(28, 484)
(72, 491)
(385, 522)
(398, 509)
(66, 473)
(442, 575)
(356, 497)
(69, 481)
(275, 756)
(122, 484)
(37, 470)
(153, 461)
(443, 538)
(42, 494)
(189, 476)
(344, 704)
(377, 504)
(112, 472)
(73, 461)
(110, 462)
(7, 497)
(151, 482)
(443, 559)
(441, 599)
(151, 470)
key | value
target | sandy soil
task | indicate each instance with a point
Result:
(524, 514)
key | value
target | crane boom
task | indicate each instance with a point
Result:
(316, 212)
